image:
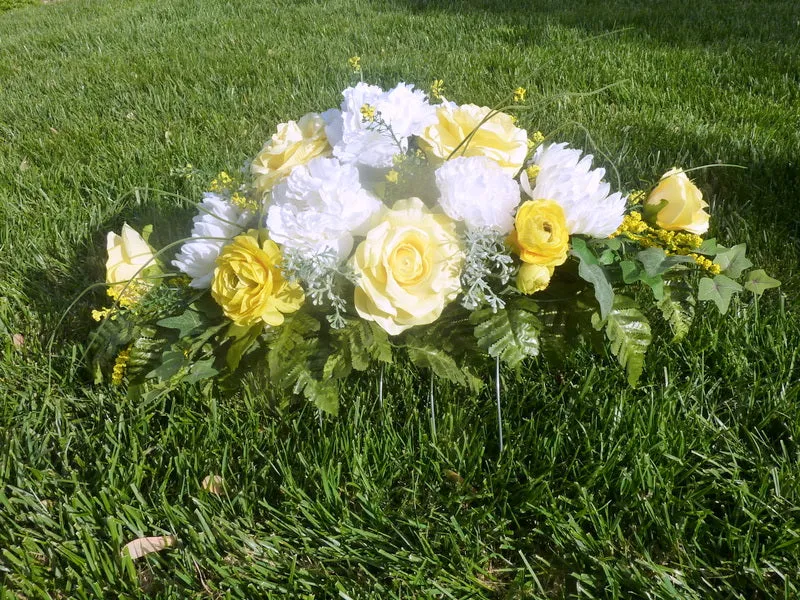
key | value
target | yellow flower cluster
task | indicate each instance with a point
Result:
(104, 313)
(355, 63)
(519, 95)
(221, 182)
(532, 172)
(244, 202)
(437, 89)
(367, 113)
(673, 242)
(636, 197)
(392, 176)
(120, 366)
(537, 137)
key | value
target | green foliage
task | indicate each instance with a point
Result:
(678, 307)
(719, 290)
(591, 270)
(733, 261)
(758, 282)
(511, 333)
(628, 330)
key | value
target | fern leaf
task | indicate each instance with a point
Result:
(628, 330)
(511, 333)
(678, 306)
(290, 347)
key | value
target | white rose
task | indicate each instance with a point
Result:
(479, 192)
(216, 218)
(320, 207)
(355, 140)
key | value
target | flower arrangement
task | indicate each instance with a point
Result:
(403, 223)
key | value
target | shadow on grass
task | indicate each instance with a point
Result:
(677, 22)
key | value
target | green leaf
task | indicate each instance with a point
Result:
(290, 347)
(650, 210)
(172, 361)
(442, 364)
(733, 261)
(709, 247)
(758, 282)
(677, 306)
(652, 259)
(511, 333)
(591, 271)
(242, 341)
(719, 290)
(187, 323)
(337, 366)
(628, 330)
(203, 369)
(324, 394)
(365, 341)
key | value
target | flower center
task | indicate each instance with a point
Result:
(408, 264)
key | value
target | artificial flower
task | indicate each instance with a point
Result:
(295, 143)
(249, 285)
(540, 234)
(498, 138)
(396, 115)
(533, 278)
(320, 207)
(477, 191)
(129, 265)
(408, 267)
(681, 202)
(216, 223)
(566, 178)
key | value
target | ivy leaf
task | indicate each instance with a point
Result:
(590, 270)
(242, 340)
(677, 306)
(709, 247)
(187, 323)
(511, 333)
(733, 261)
(171, 362)
(758, 282)
(719, 290)
(203, 369)
(652, 259)
(628, 330)
(440, 362)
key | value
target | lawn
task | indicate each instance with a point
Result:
(687, 487)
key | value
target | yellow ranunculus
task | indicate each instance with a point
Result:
(533, 278)
(130, 261)
(249, 285)
(540, 233)
(295, 143)
(683, 204)
(498, 138)
(409, 267)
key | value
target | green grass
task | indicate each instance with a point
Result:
(688, 487)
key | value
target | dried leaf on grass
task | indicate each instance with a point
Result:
(147, 545)
(214, 484)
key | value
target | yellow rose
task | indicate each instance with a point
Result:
(249, 285)
(682, 202)
(130, 262)
(498, 138)
(533, 278)
(409, 267)
(295, 143)
(540, 233)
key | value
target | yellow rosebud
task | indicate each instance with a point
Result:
(249, 285)
(295, 143)
(130, 261)
(533, 278)
(408, 267)
(498, 138)
(540, 233)
(682, 204)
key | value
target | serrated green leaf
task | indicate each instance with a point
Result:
(366, 341)
(733, 261)
(758, 282)
(242, 341)
(324, 394)
(590, 270)
(290, 347)
(337, 366)
(511, 333)
(186, 324)
(719, 290)
(440, 362)
(628, 330)
(678, 306)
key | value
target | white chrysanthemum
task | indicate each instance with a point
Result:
(478, 191)
(216, 218)
(355, 140)
(320, 207)
(570, 181)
